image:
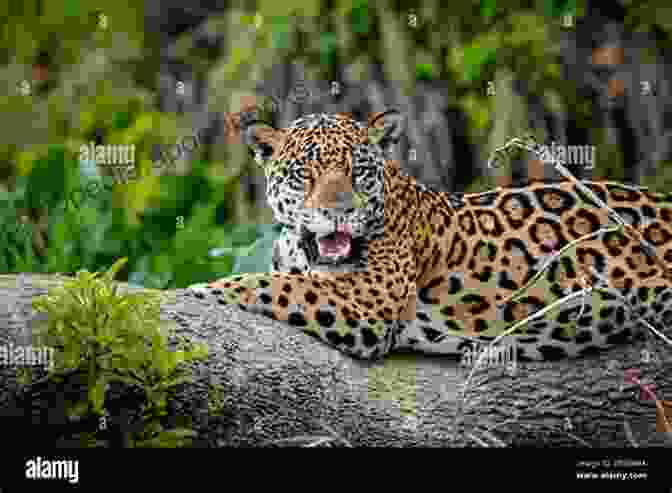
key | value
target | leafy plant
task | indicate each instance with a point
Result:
(165, 225)
(17, 249)
(112, 337)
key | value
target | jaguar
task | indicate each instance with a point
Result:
(371, 261)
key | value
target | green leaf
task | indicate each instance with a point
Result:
(71, 8)
(475, 59)
(72, 356)
(307, 8)
(121, 120)
(97, 394)
(157, 398)
(180, 433)
(327, 47)
(280, 32)
(558, 8)
(172, 382)
(116, 267)
(131, 379)
(152, 428)
(78, 409)
(359, 17)
(424, 71)
(175, 437)
(488, 9)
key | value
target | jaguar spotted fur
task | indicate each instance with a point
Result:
(371, 260)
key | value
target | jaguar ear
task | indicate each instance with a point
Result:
(385, 128)
(260, 137)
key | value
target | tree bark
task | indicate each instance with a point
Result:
(282, 387)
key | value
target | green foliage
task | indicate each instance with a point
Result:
(71, 8)
(165, 225)
(476, 57)
(159, 438)
(662, 180)
(478, 108)
(327, 48)
(557, 8)
(113, 337)
(609, 159)
(121, 120)
(16, 254)
(306, 8)
(488, 9)
(61, 25)
(641, 16)
(359, 17)
(280, 32)
(424, 71)
(50, 178)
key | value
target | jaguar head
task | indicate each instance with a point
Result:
(325, 180)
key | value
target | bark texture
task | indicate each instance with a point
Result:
(282, 387)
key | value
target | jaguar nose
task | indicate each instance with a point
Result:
(332, 191)
(337, 202)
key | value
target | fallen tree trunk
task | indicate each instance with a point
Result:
(281, 387)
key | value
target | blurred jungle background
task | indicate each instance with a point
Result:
(468, 76)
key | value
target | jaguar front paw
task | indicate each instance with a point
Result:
(239, 290)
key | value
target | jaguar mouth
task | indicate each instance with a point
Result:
(337, 247)
(337, 244)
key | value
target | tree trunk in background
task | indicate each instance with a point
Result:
(598, 56)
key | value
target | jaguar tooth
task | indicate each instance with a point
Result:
(344, 228)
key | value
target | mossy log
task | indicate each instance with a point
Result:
(282, 387)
